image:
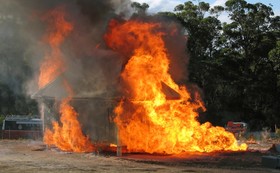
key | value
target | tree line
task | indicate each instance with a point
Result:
(235, 63)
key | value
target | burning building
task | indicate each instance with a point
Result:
(94, 112)
(124, 77)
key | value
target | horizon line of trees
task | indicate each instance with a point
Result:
(236, 64)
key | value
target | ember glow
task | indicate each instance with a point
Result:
(67, 134)
(148, 120)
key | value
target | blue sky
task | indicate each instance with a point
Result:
(168, 5)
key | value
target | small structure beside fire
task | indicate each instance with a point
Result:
(21, 126)
(237, 128)
(95, 110)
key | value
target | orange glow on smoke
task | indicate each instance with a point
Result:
(58, 29)
(67, 134)
(158, 116)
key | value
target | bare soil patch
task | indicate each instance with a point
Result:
(32, 156)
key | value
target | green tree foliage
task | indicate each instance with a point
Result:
(203, 32)
(2, 117)
(236, 63)
(251, 35)
(274, 58)
(140, 9)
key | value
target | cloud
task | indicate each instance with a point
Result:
(276, 12)
(223, 16)
(219, 2)
(161, 5)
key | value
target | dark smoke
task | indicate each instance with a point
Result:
(93, 70)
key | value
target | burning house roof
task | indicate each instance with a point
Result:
(133, 60)
(56, 90)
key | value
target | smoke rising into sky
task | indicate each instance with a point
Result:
(92, 69)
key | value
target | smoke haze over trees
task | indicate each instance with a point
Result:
(236, 64)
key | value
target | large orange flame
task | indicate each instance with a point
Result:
(66, 135)
(147, 120)
(58, 29)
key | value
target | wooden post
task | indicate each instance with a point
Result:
(119, 146)
(42, 112)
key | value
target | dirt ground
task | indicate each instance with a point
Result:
(32, 156)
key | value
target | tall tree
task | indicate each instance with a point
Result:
(203, 29)
(234, 63)
(140, 9)
(248, 39)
